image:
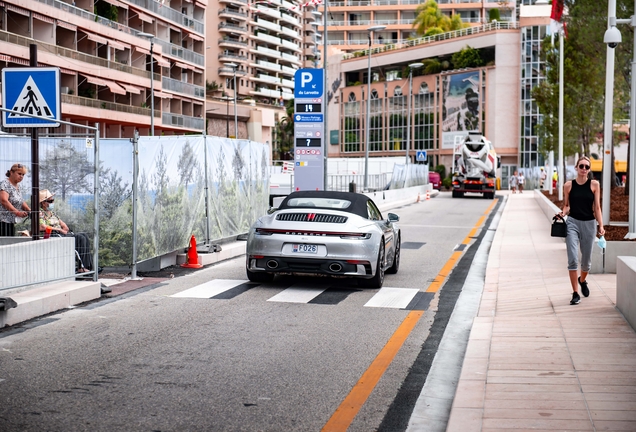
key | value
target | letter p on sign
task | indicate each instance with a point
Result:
(305, 78)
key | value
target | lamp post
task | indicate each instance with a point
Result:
(612, 37)
(151, 38)
(227, 100)
(368, 122)
(325, 130)
(412, 66)
(234, 66)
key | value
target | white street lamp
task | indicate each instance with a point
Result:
(151, 38)
(234, 66)
(412, 66)
(612, 38)
(368, 121)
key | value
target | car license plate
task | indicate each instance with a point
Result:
(304, 248)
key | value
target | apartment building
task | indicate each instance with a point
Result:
(407, 116)
(105, 50)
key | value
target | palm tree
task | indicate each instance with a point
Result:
(285, 130)
(430, 20)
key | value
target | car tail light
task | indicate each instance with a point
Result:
(257, 256)
(356, 262)
(355, 236)
(263, 231)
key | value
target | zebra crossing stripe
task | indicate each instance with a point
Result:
(297, 294)
(210, 289)
(398, 298)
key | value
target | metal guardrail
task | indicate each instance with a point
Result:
(169, 119)
(178, 51)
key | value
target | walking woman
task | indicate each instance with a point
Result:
(582, 204)
(12, 206)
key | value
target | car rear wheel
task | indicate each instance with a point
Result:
(396, 258)
(261, 277)
(378, 278)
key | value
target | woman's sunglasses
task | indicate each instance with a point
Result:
(584, 167)
(50, 200)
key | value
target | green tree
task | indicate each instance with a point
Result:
(494, 15)
(65, 170)
(430, 20)
(467, 57)
(285, 130)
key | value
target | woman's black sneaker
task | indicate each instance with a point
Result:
(584, 288)
(576, 298)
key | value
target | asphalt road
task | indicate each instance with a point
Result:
(240, 361)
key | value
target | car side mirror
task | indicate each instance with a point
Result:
(271, 210)
(393, 217)
(241, 237)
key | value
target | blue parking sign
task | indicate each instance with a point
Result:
(308, 83)
(34, 91)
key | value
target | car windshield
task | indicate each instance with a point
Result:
(318, 202)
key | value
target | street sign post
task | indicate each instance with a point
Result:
(34, 91)
(308, 130)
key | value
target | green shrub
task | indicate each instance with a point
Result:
(441, 170)
(447, 183)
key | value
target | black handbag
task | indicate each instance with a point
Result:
(559, 229)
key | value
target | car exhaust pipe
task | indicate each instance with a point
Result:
(335, 267)
(272, 264)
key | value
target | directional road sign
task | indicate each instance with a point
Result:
(421, 156)
(34, 90)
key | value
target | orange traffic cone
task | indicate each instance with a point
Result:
(192, 260)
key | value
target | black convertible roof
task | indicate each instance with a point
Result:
(358, 201)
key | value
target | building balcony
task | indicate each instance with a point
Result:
(232, 28)
(310, 40)
(311, 52)
(243, 2)
(229, 42)
(173, 50)
(231, 13)
(286, 70)
(229, 72)
(167, 12)
(290, 32)
(229, 57)
(182, 121)
(291, 58)
(291, 45)
(177, 86)
(263, 23)
(263, 10)
(267, 92)
(267, 52)
(290, 19)
(262, 64)
(267, 38)
(74, 54)
(266, 79)
(111, 106)
(287, 83)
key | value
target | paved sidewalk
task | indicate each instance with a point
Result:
(533, 361)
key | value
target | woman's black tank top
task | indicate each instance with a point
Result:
(582, 201)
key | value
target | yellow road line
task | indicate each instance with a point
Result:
(351, 405)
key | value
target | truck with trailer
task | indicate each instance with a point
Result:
(475, 166)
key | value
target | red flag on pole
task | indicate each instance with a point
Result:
(556, 15)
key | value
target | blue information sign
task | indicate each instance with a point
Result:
(34, 91)
(421, 156)
(308, 83)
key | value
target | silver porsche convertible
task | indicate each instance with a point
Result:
(341, 234)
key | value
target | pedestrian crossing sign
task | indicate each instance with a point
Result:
(31, 91)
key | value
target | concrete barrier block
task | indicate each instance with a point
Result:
(626, 288)
(43, 300)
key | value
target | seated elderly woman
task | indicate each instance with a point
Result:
(50, 221)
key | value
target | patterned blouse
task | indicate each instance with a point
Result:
(15, 198)
(50, 218)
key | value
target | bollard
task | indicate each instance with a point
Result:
(352, 187)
